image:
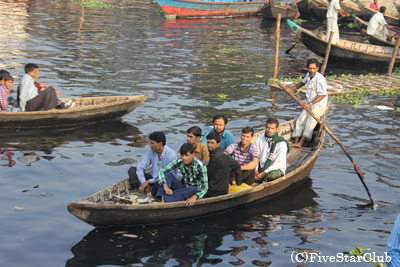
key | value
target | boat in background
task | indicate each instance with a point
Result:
(272, 10)
(86, 110)
(98, 209)
(346, 51)
(208, 8)
(367, 14)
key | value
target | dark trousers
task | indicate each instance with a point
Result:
(134, 180)
(248, 176)
(180, 192)
(45, 100)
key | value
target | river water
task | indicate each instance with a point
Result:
(182, 66)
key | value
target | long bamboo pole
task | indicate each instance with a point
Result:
(277, 37)
(395, 52)
(327, 52)
(356, 168)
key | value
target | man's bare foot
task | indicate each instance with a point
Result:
(296, 145)
(162, 199)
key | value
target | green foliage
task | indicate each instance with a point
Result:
(222, 97)
(204, 102)
(360, 252)
(396, 71)
(299, 21)
(95, 4)
(349, 98)
(351, 25)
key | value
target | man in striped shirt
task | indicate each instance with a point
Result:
(193, 175)
(246, 154)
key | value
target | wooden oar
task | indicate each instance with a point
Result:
(356, 168)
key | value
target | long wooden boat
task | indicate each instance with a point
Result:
(304, 7)
(86, 110)
(272, 10)
(97, 210)
(346, 51)
(367, 14)
(363, 25)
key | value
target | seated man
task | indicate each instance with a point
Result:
(158, 157)
(219, 168)
(200, 149)
(28, 97)
(246, 154)
(317, 100)
(378, 26)
(4, 91)
(272, 150)
(219, 123)
(193, 174)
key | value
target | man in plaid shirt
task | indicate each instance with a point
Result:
(246, 154)
(193, 175)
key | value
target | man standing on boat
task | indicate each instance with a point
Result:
(220, 122)
(246, 154)
(200, 149)
(158, 157)
(317, 100)
(219, 168)
(332, 17)
(193, 174)
(272, 150)
(378, 26)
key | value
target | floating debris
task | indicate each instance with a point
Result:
(19, 209)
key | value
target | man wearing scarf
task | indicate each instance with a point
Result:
(272, 150)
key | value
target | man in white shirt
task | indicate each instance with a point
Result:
(378, 26)
(332, 18)
(317, 100)
(272, 150)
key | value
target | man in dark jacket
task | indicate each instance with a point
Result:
(219, 168)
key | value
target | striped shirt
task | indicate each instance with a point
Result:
(393, 245)
(196, 175)
(4, 93)
(245, 156)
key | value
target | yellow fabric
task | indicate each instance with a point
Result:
(243, 186)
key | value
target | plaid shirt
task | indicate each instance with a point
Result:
(4, 93)
(245, 156)
(196, 175)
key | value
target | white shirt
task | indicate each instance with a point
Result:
(316, 87)
(279, 157)
(375, 24)
(28, 90)
(333, 9)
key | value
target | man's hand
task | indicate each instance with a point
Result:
(260, 176)
(190, 202)
(143, 186)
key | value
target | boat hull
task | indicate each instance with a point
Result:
(87, 110)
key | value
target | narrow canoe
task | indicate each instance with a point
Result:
(86, 110)
(272, 10)
(346, 51)
(97, 210)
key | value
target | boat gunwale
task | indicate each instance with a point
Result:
(223, 3)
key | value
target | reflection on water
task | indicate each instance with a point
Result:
(202, 241)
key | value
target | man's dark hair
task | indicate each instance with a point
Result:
(30, 67)
(382, 9)
(219, 116)
(158, 137)
(186, 148)
(248, 129)
(272, 121)
(3, 74)
(214, 136)
(195, 130)
(313, 61)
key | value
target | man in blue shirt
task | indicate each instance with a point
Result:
(220, 122)
(393, 245)
(158, 157)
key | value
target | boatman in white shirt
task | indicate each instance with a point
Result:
(332, 18)
(378, 26)
(317, 100)
(272, 150)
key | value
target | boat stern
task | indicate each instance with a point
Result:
(295, 28)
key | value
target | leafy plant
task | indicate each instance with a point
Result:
(222, 97)
(95, 4)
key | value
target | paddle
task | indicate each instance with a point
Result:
(356, 168)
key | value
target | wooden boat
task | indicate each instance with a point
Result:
(97, 210)
(319, 8)
(351, 8)
(86, 110)
(272, 10)
(363, 25)
(367, 14)
(346, 51)
(304, 7)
